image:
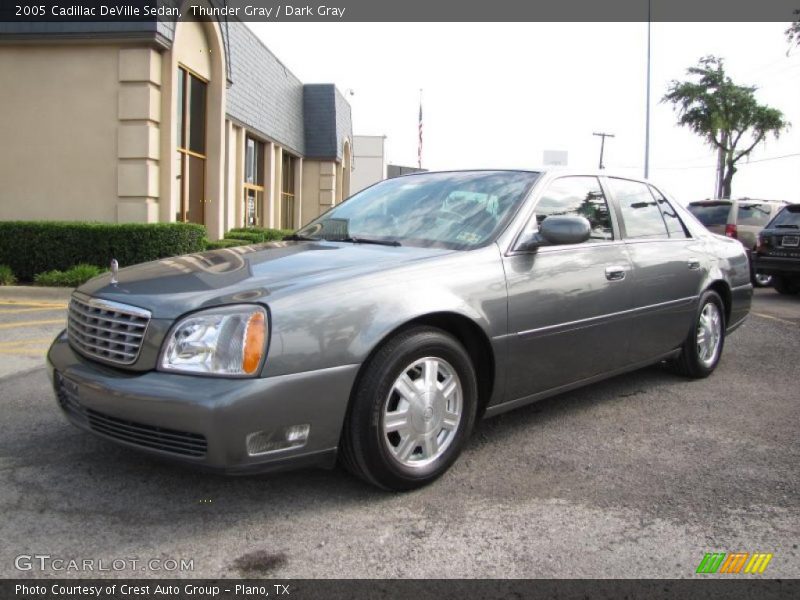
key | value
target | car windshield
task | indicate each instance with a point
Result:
(459, 210)
(711, 214)
(788, 218)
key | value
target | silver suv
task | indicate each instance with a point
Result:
(741, 220)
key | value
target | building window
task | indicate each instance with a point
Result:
(253, 182)
(191, 154)
(287, 192)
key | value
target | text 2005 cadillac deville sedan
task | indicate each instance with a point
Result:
(385, 327)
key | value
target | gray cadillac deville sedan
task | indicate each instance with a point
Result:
(384, 328)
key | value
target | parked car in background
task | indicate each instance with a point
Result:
(380, 331)
(778, 250)
(741, 220)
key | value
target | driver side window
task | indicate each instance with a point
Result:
(577, 197)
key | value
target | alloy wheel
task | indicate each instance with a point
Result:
(422, 412)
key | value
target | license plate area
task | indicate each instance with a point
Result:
(790, 241)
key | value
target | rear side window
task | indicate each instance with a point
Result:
(671, 219)
(578, 196)
(788, 218)
(753, 214)
(640, 211)
(711, 214)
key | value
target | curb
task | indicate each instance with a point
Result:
(21, 293)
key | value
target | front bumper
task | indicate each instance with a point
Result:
(204, 421)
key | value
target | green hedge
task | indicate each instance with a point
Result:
(74, 277)
(7, 276)
(31, 247)
(258, 235)
(226, 243)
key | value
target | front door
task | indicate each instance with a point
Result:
(567, 305)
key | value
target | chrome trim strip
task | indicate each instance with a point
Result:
(591, 320)
(110, 305)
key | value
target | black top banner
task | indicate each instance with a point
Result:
(72, 11)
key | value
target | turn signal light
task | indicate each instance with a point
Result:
(253, 343)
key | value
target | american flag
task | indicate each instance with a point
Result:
(419, 145)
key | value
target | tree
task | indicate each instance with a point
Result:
(793, 33)
(725, 114)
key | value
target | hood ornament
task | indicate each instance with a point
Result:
(114, 271)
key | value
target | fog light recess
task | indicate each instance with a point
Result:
(264, 442)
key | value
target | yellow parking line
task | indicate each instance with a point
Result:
(14, 311)
(763, 316)
(29, 323)
(38, 304)
(15, 343)
(24, 352)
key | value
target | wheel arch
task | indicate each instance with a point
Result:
(469, 334)
(722, 288)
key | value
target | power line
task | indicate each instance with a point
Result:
(710, 166)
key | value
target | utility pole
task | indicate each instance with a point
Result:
(603, 137)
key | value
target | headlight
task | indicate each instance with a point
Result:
(228, 341)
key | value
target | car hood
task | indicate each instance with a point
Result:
(173, 286)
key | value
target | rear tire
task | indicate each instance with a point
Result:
(411, 412)
(702, 349)
(785, 285)
(762, 280)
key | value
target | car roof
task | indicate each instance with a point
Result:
(548, 170)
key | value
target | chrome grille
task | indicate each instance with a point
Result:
(106, 330)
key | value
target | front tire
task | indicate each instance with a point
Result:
(412, 411)
(702, 349)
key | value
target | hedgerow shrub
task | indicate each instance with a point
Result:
(258, 235)
(77, 275)
(7, 275)
(226, 243)
(31, 247)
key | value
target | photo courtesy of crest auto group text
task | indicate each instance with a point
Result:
(318, 300)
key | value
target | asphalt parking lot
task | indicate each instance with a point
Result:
(638, 476)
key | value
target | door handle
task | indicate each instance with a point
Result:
(615, 273)
(693, 264)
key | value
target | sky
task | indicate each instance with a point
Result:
(500, 94)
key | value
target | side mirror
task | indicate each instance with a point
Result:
(565, 230)
(555, 230)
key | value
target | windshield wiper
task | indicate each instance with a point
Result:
(363, 240)
(786, 227)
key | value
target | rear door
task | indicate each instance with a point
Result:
(567, 303)
(668, 268)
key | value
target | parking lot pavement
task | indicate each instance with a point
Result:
(27, 326)
(769, 304)
(638, 476)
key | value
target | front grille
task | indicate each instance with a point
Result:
(146, 436)
(106, 330)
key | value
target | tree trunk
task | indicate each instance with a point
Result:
(721, 164)
(730, 171)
